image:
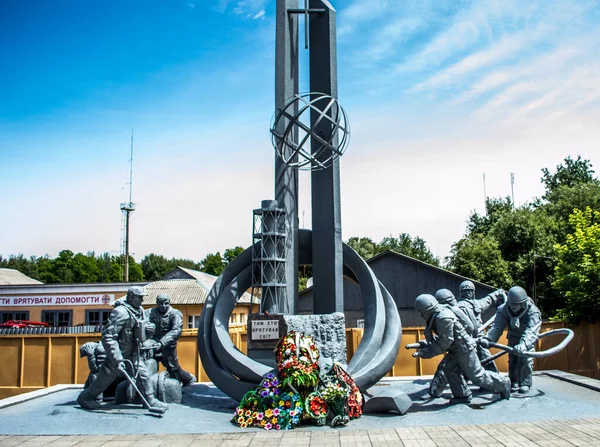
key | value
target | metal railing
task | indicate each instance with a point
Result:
(87, 329)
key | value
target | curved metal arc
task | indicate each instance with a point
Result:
(385, 359)
(229, 356)
(374, 357)
(374, 309)
(218, 374)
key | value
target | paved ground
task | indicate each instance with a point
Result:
(575, 432)
(559, 412)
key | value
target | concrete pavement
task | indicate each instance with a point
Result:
(575, 432)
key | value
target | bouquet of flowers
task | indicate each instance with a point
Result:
(297, 356)
(269, 407)
(300, 391)
(355, 397)
(316, 407)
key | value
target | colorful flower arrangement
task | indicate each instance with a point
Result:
(355, 397)
(297, 359)
(301, 391)
(316, 407)
(269, 407)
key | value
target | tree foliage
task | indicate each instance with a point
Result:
(518, 246)
(479, 257)
(570, 173)
(73, 268)
(578, 270)
(414, 247)
(364, 246)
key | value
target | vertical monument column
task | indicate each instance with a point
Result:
(286, 177)
(328, 293)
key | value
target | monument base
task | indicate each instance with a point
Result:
(328, 331)
(205, 409)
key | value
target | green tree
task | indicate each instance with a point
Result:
(578, 270)
(45, 267)
(495, 209)
(109, 268)
(212, 264)
(561, 202)
(479, 257)
(136, 273)
(569, 173)
(231, 253)
(415, 247)
(62, 268)
(85, 268)
(364, 246)
(116, 272)
(156, 266)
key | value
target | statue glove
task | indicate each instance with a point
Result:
(483, 342)
(416, 354)
(519, 349)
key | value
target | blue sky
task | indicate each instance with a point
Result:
(437, 92)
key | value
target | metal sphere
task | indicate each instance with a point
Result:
(306, 146)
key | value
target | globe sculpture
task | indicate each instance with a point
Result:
(311, 150)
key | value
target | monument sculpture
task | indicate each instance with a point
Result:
(445, 334)
(524, 321)
(309, 131)
(473, 308)
(169, 325)
(122, 340)
(95, 354)
(446, 298)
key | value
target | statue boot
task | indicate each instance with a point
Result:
(87, 401)
(88, 397)
(155, 403)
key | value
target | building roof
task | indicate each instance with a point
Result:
(15, 277)
(418, 261)
(350, 276)
(186, 290)
(203, 277)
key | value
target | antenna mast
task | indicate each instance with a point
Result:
(512, 188)
(127, 208)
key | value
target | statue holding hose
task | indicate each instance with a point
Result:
(122, 340)
(524, 320)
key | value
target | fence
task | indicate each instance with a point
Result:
(33, 361)
(42, 330)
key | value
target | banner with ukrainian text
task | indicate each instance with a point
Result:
(58, 300)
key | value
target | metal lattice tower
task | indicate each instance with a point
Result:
(126, 209)
(268, 257)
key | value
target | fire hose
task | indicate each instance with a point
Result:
(533, 354)
(158, 412)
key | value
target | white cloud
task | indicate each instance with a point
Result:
(252, 9)
(390, 36)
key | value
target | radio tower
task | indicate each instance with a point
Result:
(127, 208)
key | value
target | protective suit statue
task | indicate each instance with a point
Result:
(524, 321)
(444, 333)
(122, 340)
(94, 351)
(169, 325)
(446, 298)
(473, 308)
